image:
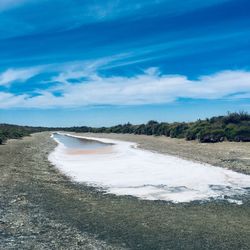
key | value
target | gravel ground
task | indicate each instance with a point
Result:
(42, 209)
(23, 222)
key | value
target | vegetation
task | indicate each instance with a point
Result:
(232, 127)
(16, 132)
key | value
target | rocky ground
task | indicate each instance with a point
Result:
(42, 209)
(24, 224)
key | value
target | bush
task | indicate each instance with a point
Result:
(232, 127)
(15, 132)
(236, 118)
(211, 136)
(178, 130)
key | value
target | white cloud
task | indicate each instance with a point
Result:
(148, 88)
(12, 75)
(10, 100)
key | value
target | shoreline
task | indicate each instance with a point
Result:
(149, 175)
(231, 155)
(43, 209)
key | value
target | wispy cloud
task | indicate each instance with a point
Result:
(150, 87)
(38, 16)
(10, 100)
(12, 75)
(78, 70)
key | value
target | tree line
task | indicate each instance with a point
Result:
(231, 127)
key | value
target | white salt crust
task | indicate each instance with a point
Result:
(127, 170)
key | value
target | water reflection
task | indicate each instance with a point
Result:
(74, 143)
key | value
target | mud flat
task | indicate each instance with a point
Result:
(43, 209)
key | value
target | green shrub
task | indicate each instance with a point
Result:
(217, 135)
(233, 127)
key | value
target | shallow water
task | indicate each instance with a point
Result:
(75, 143)
(127, 170)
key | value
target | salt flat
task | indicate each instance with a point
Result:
(128, 170)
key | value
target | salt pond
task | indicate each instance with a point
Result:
(124, 169)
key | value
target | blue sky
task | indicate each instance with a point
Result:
(73, 62)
